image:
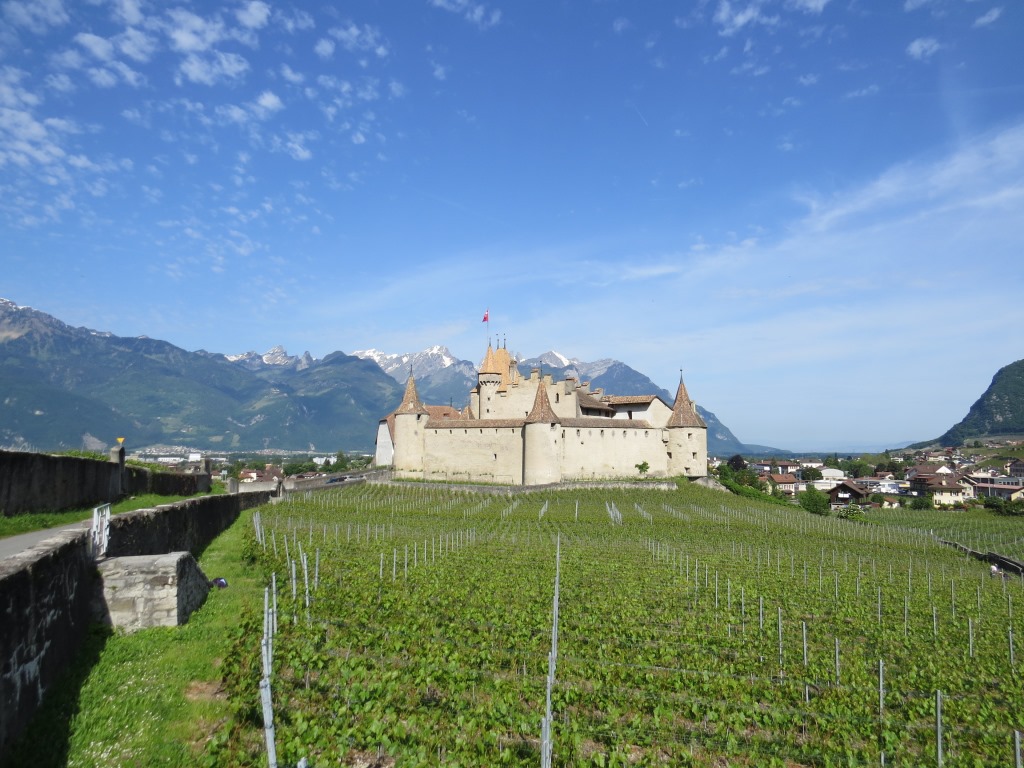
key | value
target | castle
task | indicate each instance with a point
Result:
(534, 431)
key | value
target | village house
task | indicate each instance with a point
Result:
(846, 493)
(786, 483)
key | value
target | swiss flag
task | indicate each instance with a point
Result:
(487, 316)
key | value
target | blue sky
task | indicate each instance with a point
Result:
(814, 208)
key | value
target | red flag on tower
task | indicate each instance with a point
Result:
(487, 317)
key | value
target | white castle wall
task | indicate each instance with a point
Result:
(482, 454)
(612, 452)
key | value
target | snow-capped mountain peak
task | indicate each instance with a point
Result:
(425, 363)
(277, 356)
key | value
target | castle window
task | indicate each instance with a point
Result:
(495, 457)
(689, 435)
(577, 433)
(553, 427)
(645, 433)
(630, 415)
(623, 433)
(556, 397)
(695, 454)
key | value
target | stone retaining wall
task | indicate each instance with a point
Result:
(47, 592)
(45, 608)
(38, 482)
(150, 590)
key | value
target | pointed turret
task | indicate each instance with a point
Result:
(411, 402)
(541, 436)
(684, 412)
(542, 412)
(687, 437)
(489, 365)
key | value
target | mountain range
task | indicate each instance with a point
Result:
(69, 388)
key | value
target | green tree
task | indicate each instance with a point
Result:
(737, 463)
(921, 502)
(809, 474)
(814, 501)
(642, 468)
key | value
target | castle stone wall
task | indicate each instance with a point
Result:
(614, 451)
(482, 454)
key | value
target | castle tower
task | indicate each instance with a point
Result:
(541, 449)
(687, 437)
(489, 382)
(410, 423)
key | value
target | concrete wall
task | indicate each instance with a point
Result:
(38, 482)
(47, 592)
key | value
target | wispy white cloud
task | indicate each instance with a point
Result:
(136, 45)
(59, 82)
(291, 75)
(439, 71)
(732, 19)
(128, 12)
(293, 21)
(324, 48)
(211, 68)
(620, 25)
(98, 46)
(190, 33)
(476, 13)
(355, 38)
(267, 103)
(253, 15)
(808, 79)
(808, 6)
(923, 48)
(988, 18)
(36, 15)
(913, 5)
(296, 144)
(860, 93)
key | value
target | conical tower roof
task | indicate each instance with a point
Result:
(542, 412)
(411, 402)
(490, 364)
(684, 412)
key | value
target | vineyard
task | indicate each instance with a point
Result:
(414, 626)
